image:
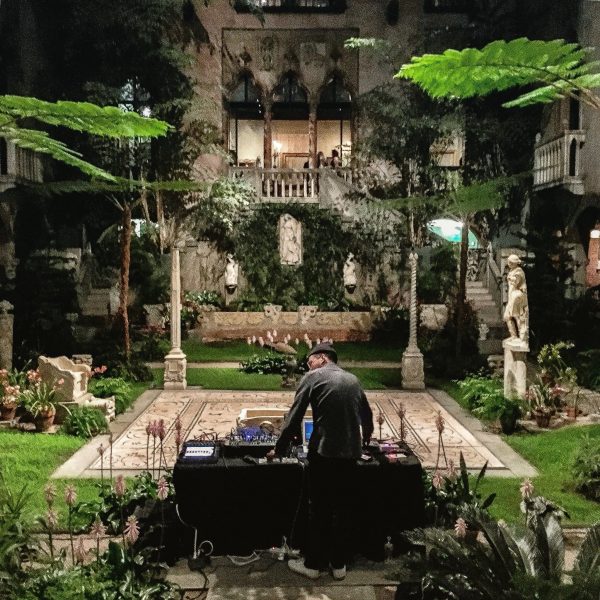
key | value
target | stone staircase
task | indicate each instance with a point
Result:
(488, 314)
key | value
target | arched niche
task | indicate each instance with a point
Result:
(246, 114)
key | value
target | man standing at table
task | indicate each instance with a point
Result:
(339, 408)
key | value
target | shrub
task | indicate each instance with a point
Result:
(265, 364)
(114, 386)
(589, 368)
(85, 422)
(587, 468)
(151, 343)
(392, 326)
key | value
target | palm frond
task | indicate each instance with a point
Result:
(108, 121)
(558, 66)
(588, 559)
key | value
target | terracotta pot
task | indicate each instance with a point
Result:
(571, 412)
(43, 421)
(7, 414)
(542, 419)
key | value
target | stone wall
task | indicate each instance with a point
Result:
(341, 326)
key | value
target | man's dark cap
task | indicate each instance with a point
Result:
(324, 348)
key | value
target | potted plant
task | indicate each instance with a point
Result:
(497, 406)
(41, 400)
(541, 402)
(10, 390)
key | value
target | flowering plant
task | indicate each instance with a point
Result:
(543, 397)
(40, 398)
(10, 388)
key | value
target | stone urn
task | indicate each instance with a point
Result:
(44, 419)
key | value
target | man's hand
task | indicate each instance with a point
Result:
(271, 454)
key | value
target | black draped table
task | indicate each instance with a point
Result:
(240, 506)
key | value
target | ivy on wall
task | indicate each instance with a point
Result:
(319, 279)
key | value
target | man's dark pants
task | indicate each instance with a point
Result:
(331, 495)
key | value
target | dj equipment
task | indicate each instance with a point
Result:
(198, 451)
(248, 441)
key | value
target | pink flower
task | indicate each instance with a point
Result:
(460, 528)
(380, 418)
(401, 410)
(297, 342)
(254, 339)
(437, 480)
(249, 341)
(132, 530)
(101, 450)
(440, 424)
(178, 423)
(178, 438)
(70, 495)
(261, 342)
(452, 473)
(60, 381)
(309, 343)
(161, 429)
(51, 518)
(50, 493)
(149, 429)
(318, 340)
(162, 489)
(526, 489)
(274, 333)
(80, 551)
(98, 530)
(120, 486)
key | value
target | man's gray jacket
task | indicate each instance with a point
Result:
(339, 408)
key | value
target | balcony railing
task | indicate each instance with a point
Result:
(281, 185)
(447, 6)
(326, 6)
(558, 163)
(18, 165)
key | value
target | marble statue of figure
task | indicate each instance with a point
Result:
(290, 240)
(350, 271)
(231, 271)
(516, 313)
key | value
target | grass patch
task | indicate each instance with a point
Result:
(29, 459)
(232, 379)
(196, 351)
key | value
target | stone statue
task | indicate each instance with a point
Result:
(516, 313)
(231, 274)
(350, 273)
(290, 240)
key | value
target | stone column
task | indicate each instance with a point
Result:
(413, 376)
(515, 367)
(6, 335)
(175, 361)
(268, 137)
(592, 275)
(312, 137)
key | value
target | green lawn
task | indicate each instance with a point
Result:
(552, 454)
(237, 350)
(232, 379)
(28, 459)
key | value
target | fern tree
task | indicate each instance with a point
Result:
(555, 69)
(16, 113)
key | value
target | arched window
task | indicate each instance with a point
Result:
(290, 100)
(244, 101)
(335, 101)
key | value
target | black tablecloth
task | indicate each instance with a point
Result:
(241, 507)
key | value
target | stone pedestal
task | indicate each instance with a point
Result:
(515, 367)
(6, 335)
(413, 377)
(175, 370)
(175, 361)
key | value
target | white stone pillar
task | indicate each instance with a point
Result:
(6, 335)
(413, 376)
(175, 361)
(515, 368)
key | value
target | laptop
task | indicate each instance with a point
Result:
(307, 429)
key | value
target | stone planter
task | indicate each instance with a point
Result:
(542, 419)
(44, 420)
(7, 413)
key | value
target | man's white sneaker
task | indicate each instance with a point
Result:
(297, 565)
(338, 574)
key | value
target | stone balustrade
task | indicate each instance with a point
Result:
(558, 162)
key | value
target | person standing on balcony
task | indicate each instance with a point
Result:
(335, 159)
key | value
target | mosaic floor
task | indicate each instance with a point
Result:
(216, 412)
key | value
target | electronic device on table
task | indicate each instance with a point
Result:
(200, 451)
(248, 441)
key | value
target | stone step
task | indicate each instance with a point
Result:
(489, 313)
(474, 284)
(477, 290)
(477, 304)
